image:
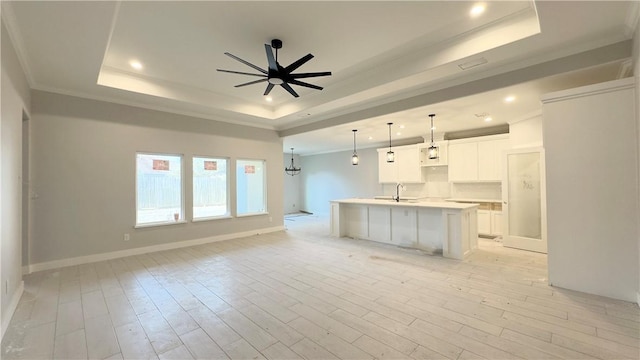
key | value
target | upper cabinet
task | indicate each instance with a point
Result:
(477, 159)
(406, 167)
(442, 154)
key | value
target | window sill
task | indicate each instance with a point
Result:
(140, 226)
(222, 217)
(252, 214)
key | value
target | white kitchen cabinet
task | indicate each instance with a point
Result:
(477, 159)
(484, 222)
(490, 159)
(463, 161)
(387, 172)
(406, 167)
(404, 231)
(496, 223)
(443, 147)
(356, 224)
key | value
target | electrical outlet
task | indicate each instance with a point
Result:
(127, 237)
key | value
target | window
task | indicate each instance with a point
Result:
(251, 190)
(158, 189)
(210, 188)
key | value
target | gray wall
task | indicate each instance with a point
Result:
(14, 100)
(83, 161)
(331, 176)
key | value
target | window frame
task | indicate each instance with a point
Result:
(227, 214)
(182, 219)
(264, 184)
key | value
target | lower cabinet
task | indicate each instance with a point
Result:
(484, 222)
(496, 222)
(490, 219)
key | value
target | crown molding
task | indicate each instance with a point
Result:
(9, 19)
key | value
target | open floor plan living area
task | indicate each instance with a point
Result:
(320, 179)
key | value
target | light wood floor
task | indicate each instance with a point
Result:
(301, 294)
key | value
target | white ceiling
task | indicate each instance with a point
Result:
(391, 61)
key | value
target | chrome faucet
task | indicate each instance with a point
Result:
(397, 197)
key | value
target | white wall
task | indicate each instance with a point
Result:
(292, 189)
(526, 132)
(15, 99)
(591, 144)
(83, 161)
(331, 176)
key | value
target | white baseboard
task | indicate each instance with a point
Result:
(142, 250)
(15, 299)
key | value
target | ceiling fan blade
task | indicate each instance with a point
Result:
(246, 63)
(296, 64)
(241, 73)
(289, 89)
(273, 65)
(268, 90)
(301, 83)
(252, 82)
(308, 75)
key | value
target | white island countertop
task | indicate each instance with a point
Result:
(422, 204)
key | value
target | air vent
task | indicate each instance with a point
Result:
(473, 63)
(482, 115)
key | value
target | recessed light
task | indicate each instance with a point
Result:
(487, 119)
(433, 128)
(476, 10)
(398, 133)
(370, 137)
(268, 99)
(509, 98)
(401, 126)
(136, 64)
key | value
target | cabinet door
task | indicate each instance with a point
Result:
(496, 223)
(387, 172)
(463, 162)
(408, 163)
(484, 222)
(356, 218)
(490, 159)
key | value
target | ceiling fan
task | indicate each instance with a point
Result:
(275, 73)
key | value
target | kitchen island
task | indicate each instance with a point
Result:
(435, 227)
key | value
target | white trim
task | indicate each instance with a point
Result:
(15, 299)
(146, 249)
(589, 90)
(638, 298)
(480, 138)
(632, 19)
(16, 40)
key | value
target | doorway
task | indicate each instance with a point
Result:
(524, 200)
(26, 190)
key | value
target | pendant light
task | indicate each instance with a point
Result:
(292, 170)
(433, 149)
(390, 155)
(354, 158)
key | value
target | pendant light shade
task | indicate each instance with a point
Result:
(390, 155)
(433, 149)
(354, 158)
(292, 170)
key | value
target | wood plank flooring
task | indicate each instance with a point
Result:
(303, 294)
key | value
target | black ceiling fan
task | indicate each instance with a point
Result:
(276, 74)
